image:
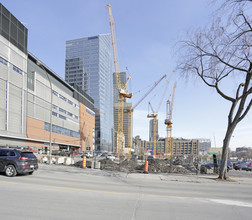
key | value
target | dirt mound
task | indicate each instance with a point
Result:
(107, 164)
(78, 164)
(155, 166)
(163, 166)
(130, 166)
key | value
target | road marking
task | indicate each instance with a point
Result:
(8, 182)
(221, 201)
(232, 202)
(94, 191)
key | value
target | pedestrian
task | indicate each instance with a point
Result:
(196, 167)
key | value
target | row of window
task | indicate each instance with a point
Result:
(90, 112)
(61, 130)
(64, 111)
(59, 115)
(5, 62)
(65, 99)
(17, 70)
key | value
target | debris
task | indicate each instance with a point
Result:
(154, 166)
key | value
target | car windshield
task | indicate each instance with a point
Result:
(28, 154)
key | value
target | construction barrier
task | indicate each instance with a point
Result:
(84, 163)
(146, 166)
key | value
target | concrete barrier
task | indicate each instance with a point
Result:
(60, 160)
(68, 161)
(97, 165)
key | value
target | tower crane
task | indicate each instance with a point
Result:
(168, 122)
(130, 112)
(154, 115)
(122, 92)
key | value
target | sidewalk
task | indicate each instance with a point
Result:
(201, 178)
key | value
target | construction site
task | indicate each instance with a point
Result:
(154, 156)
(119, 149)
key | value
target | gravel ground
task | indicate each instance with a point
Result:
(240, 173)
(236, 177)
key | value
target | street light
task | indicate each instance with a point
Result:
(50, 138)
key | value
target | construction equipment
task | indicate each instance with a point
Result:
(168, 122)
(154, 115)
(130, 112)
(122, 92)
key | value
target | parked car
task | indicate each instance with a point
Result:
(111, 157)
(87, 155)
(249, 168)
(150, 158)
(211, 166)
(13, 162)
(241, 166)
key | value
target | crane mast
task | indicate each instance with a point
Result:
(122, 92)
(154, 115)
(168, 122)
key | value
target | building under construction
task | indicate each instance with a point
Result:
(181, 147)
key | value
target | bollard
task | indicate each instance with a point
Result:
(146, 167)
(84, 162)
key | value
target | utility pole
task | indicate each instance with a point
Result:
(51, 104)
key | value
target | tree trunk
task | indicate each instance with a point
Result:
(224, 157)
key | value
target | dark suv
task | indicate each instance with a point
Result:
(13, 162)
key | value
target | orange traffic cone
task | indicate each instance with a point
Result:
(146, 167)
(84, 162)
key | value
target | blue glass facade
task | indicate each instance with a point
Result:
(89, 65)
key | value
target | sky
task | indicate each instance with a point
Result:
(146, 35)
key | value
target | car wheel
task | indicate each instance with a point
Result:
(10, 171)
(30, 173)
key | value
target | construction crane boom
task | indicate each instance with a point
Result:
(168, 122)
(114, 46)
(122, 92)
(130, 112)
(149, 91)
(154, 115)
(165, 90)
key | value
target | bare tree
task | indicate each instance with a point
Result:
(220, 53)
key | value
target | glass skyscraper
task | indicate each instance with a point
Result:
(89, 66)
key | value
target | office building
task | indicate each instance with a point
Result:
(89, 65)
(34, 99)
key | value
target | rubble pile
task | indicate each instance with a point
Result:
(78, 164)
(163, 166)
(107, 164)
(154, 166)
(130, 166)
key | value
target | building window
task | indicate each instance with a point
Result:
(70, 102)
(55, 93)
(62, 117)
(18, 70)
(70, 114)
(62, 97)
(3, 61)
(62, 110)
(54, 114)
(90, 112)
(61, 130)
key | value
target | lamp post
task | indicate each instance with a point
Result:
(50, 138)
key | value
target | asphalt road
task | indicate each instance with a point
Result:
(60, 192)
